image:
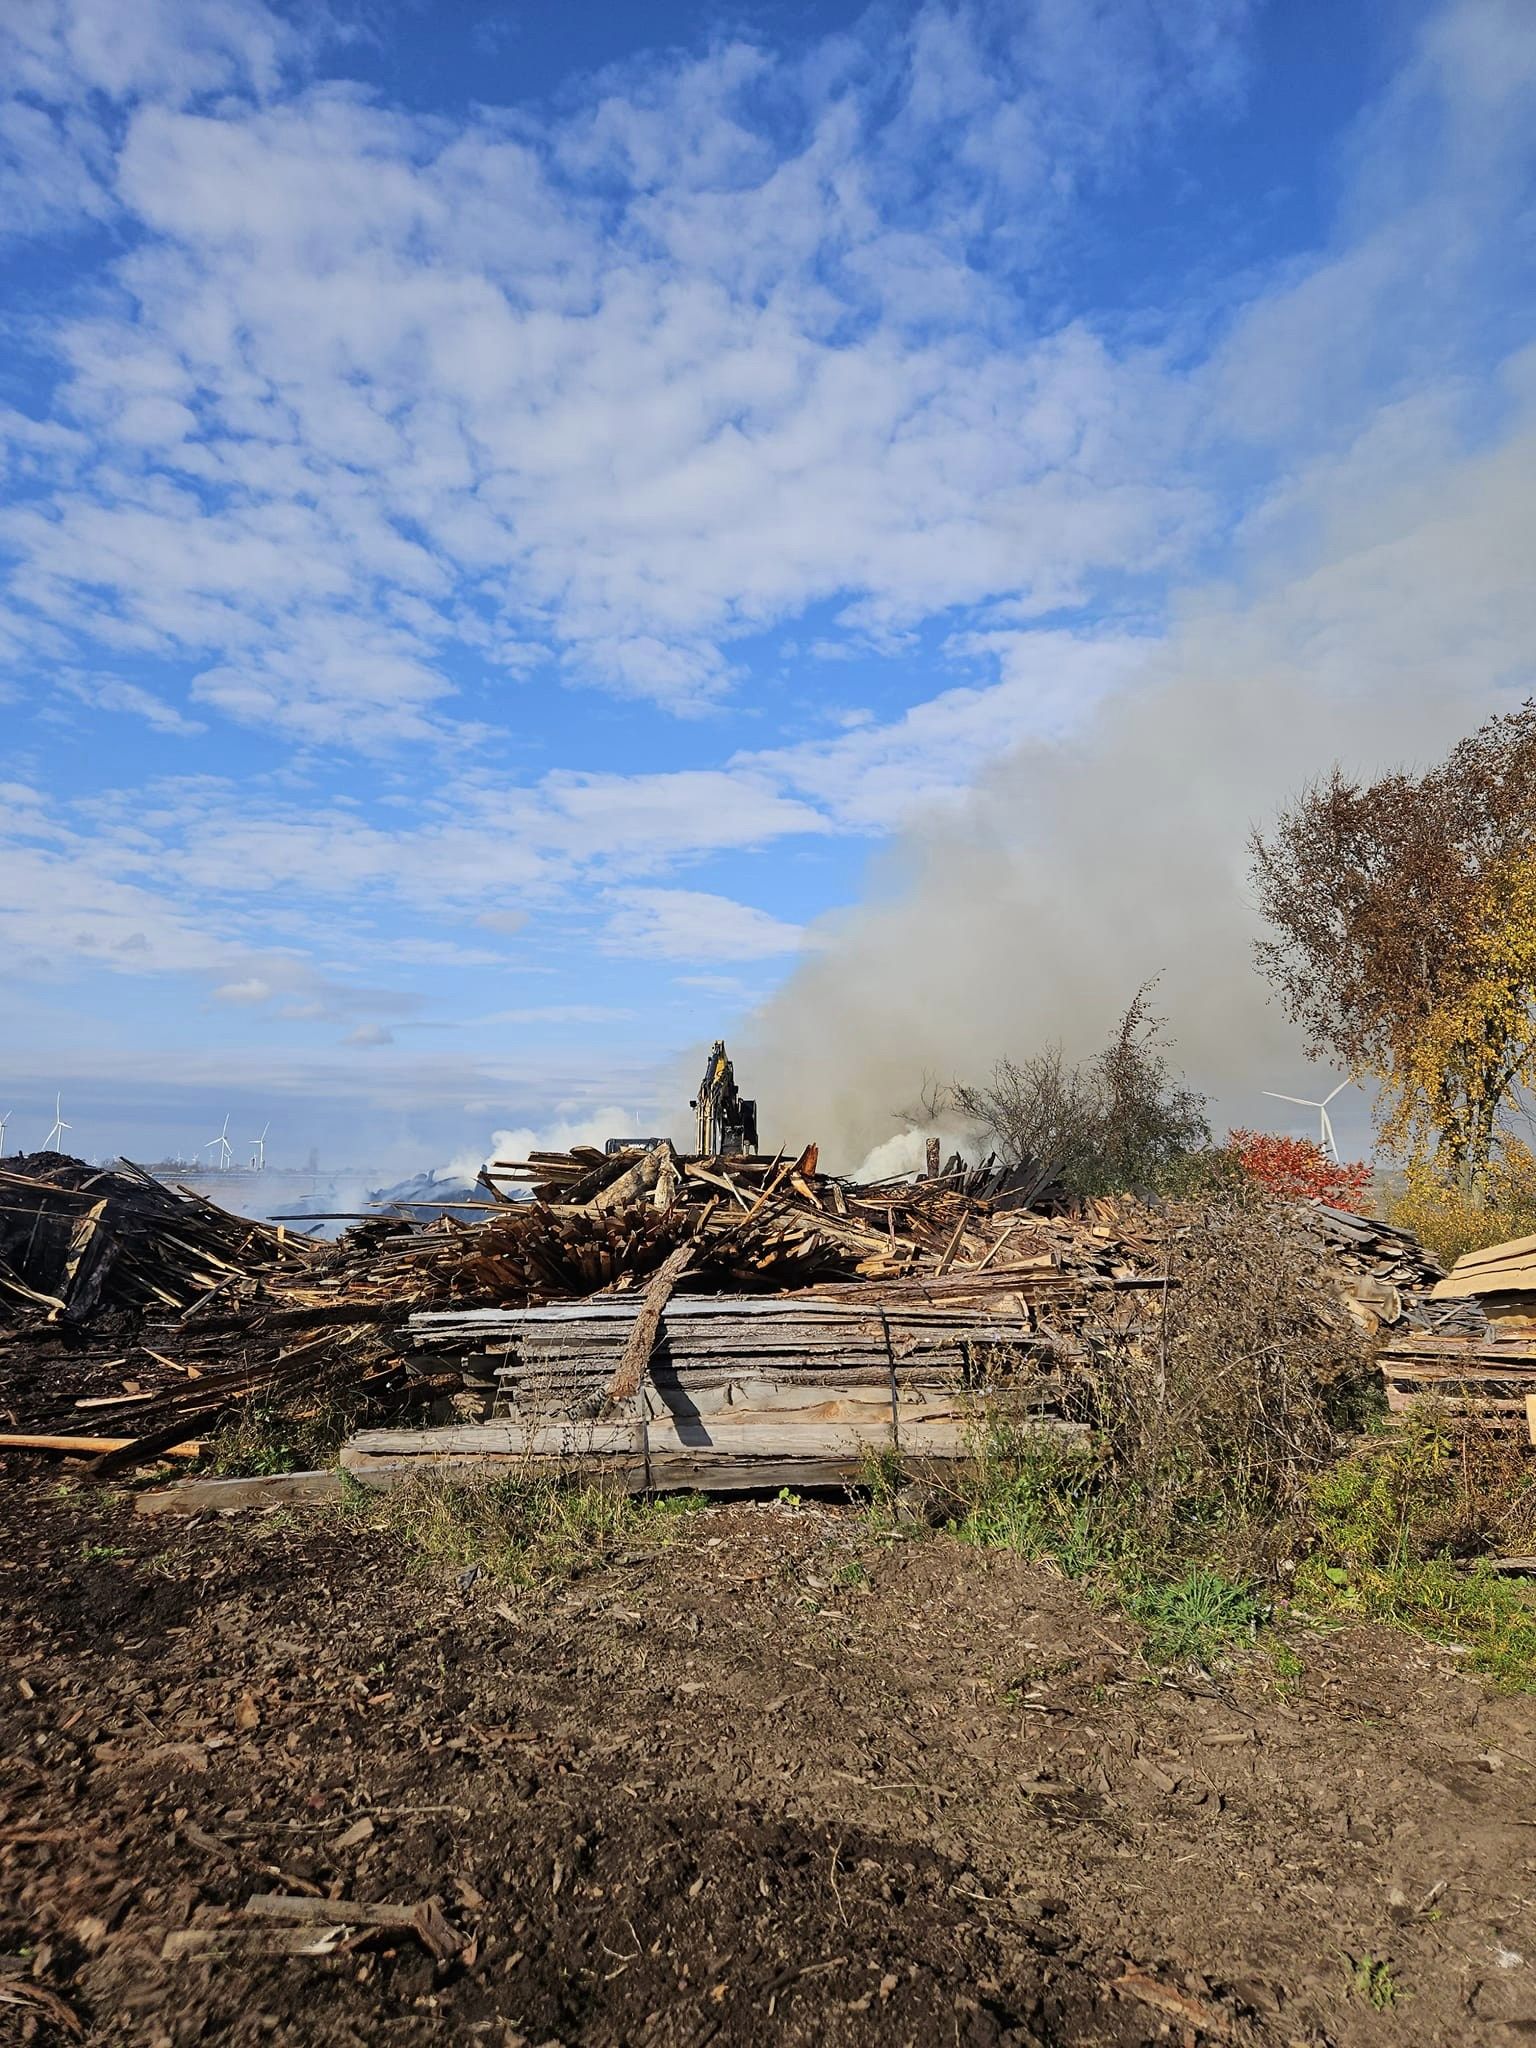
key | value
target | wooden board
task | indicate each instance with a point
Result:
(271, 1489)
(88, 1446)
(665, 1455)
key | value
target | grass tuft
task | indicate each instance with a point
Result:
(1198, 1618)
(265, 1440)
(1371, 1978)
(523, 1530)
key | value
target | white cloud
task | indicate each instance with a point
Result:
(110, 693)
(379, 395)
(369, 1034)
(690, 924)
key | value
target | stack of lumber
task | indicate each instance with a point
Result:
(1491, 1378)
(1474, 1351)
(736, 1392)
(718, 1350)
(1500, 1279)
(76, 1239)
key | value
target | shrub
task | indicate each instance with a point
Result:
(1226, 1409)
(1120, 1120)
(1452, 1219)
(1298, 1170)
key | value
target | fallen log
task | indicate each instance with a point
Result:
(625, 1383)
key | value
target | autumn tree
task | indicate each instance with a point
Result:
(1403, 914)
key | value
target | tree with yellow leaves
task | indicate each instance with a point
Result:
(1404, 921)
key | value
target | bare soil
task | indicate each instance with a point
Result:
(773, 1780)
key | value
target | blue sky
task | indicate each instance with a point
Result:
(509, 516)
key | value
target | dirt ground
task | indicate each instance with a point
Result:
(773, 1780)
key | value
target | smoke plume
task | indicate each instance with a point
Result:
(1078, 870)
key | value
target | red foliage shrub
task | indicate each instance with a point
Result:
(1300, 1171)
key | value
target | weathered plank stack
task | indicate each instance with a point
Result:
(1477, 1355)
(739, 1392)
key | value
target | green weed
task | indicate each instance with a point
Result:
(526, 1530)
(1371, 1978)
(1196, 1618)
(1287, 1666)
(1393, 1530)
(92, 1553)
(263, 1441)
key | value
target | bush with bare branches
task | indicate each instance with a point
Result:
(1121, 1120)
(1233, 1391)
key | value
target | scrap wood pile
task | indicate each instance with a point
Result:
(165, 1318)
(1387, 1276)
(798, 1313)
(137, 1319)
(77, 1239)
(1476, 1356)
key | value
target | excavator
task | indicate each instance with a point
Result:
(727, 1121)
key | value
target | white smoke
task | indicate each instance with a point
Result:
(592, 1129)
(1381, 602)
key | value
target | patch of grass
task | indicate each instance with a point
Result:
(1031, 1493)
(880, 1477)
(1396, 1528)
(1371, 1979)
(1287, 1666)
(524, 1530)
(93, 1553)
(263, 1441)
(1197, 1618)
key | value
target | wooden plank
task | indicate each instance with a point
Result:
(1401, 1369)
(1530, 1417)
(938, 1432)
(87, 1446)
(1497, 1254)
(270, 1489)
(1400, 1403)
(663, 1474)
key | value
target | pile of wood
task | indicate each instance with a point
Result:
(76, 1240)
(785, 1293)
(731, 1392)
(1475, 1354)
(1387, 1276)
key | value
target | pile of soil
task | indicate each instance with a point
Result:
(771, 1780)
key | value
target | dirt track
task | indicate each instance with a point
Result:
(728, 1791)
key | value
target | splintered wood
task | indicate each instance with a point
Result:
(643, 1290)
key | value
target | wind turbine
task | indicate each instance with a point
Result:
(1328, 1144)
(226, 1150)
(59, 1125)
(4, 1120)
(259, 1156)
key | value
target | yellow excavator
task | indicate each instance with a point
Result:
(727, 1121)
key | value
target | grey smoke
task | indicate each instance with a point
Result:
(1077, 870)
